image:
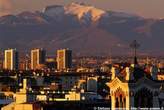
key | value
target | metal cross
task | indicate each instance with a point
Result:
(135, 45)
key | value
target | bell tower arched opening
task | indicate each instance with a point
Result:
(120, 98)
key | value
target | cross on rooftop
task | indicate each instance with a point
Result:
(135, 45)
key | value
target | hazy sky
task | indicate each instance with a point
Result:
(145, 8)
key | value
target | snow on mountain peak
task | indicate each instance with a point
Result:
(82, 11)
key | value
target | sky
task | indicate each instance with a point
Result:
(144, 8)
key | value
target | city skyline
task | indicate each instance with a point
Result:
(148, 9)
(81, 54)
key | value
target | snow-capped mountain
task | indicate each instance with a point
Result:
(85, 14)
(81, 11)
(83, 28)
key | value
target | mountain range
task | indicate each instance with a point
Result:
(84, 29)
